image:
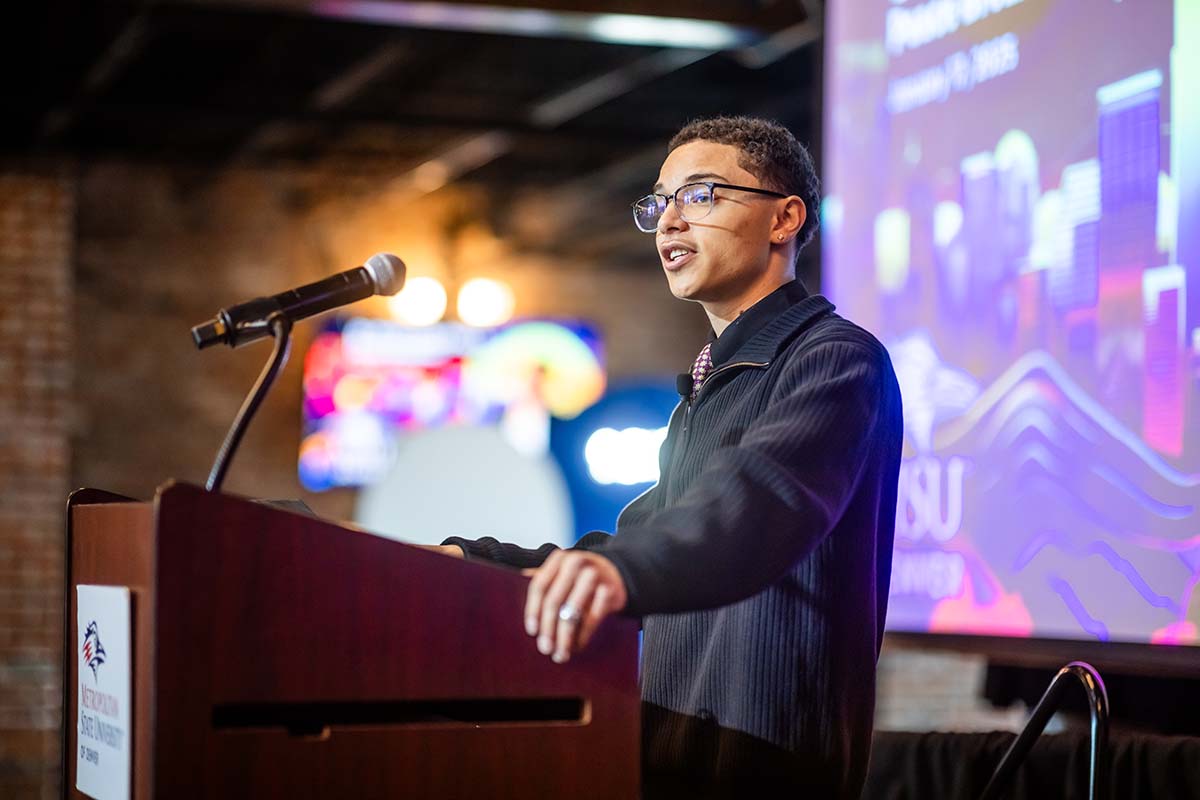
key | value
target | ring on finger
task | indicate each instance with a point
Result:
(569, 613)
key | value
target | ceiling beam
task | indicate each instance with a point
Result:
(134, 116)
(104, 70)
(792, 38)
(595, 92)
(689, 30)
(766, 15)
(331, 95)
(549, 113)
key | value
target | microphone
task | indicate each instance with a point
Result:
(683, 385)
(248, 322)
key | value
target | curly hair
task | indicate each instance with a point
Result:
(771, 153)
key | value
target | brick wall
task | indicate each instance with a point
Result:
(37, 212)
(926, 690)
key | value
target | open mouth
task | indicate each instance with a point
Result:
(674, 256)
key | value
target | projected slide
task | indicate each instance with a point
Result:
(1013, 207)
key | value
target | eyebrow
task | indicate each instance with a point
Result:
(695, 176)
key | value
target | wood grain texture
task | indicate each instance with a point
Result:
(253, 605)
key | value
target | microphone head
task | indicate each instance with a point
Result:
(387, 272)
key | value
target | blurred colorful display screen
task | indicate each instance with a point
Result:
(368, 381)
(1013, 207)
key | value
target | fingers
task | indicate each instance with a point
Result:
(580, 600)
(555, 596)
(445, 549)
(585, 583)
(594, 614)
(537, 591)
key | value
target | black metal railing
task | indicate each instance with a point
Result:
(1050, 702)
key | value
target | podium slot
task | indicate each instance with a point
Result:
(312, 719)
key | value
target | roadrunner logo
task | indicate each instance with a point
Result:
(93, 651)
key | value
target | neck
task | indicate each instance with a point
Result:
(723, 312)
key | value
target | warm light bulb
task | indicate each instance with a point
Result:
(422, 301)
(485, 303)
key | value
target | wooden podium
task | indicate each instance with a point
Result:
(278, 655)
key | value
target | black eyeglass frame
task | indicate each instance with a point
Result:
(667, 198)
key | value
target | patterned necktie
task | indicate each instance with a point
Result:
(700, 368)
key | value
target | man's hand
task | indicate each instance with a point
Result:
(568, 598)
(445, 549)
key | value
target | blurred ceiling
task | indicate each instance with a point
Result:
(542, 101)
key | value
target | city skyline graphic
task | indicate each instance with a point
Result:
(1015, 215)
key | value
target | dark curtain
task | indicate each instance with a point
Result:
(950, 766)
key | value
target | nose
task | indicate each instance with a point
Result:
(671, 219)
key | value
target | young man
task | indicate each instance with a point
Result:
(760, 562)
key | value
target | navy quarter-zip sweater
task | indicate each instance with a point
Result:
(760, 561)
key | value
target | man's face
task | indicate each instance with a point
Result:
(726, 251)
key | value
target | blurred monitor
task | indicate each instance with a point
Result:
(370, 384)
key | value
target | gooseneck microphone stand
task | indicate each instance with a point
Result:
(273, 316)
(281, 330)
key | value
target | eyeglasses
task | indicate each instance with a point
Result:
(693, 201)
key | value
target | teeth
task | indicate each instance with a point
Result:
(676, 253)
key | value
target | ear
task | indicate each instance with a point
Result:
(788, 220)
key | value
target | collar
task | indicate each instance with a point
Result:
(760, 330)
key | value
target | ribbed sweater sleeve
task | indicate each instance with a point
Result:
(490, 549)
(511, 555)
(760, 505)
